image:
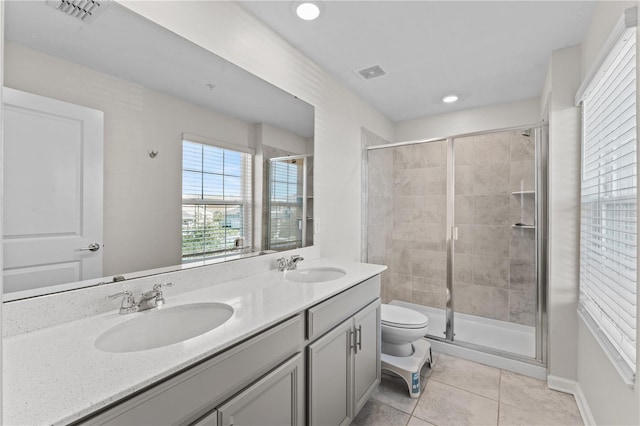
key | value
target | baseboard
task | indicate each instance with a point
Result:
(583, 407)
(562, 385)
(572, 387)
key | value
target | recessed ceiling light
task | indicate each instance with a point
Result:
(307, 11)
(449, 98)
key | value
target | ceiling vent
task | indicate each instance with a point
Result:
(85, 10)
(371, 72)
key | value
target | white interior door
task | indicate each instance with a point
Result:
(52, 207)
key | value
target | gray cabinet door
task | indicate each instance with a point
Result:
(330, 367)
(275, 400)
(366, 365)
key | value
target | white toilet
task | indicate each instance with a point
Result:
(400, 328)
(404, 351)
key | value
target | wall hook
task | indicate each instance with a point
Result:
(153, 154)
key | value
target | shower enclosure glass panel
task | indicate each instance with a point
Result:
(494, 281)
(287, 203)
(461, 225)
(406, 208)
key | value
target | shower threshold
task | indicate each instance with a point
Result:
(500, 336)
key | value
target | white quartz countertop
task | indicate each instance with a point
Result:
(56, 375)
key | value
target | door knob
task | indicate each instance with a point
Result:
(91, 247)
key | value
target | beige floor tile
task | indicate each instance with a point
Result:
(442, 404)
(471, 376)
(533, 396)
(394, 392)
(513, 416)
(375, 413)
(414, 421)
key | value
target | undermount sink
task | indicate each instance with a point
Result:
(314, 275)
(163, 327)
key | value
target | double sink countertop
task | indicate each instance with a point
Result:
(56, 375)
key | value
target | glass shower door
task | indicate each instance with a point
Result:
(407, 212)
(287, 204)
(494, 277)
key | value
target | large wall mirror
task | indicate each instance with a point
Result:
(130, 151)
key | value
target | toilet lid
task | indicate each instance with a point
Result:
(399, 316)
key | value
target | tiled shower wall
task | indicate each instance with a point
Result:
(495, 274)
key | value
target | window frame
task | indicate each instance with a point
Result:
(589, 311)
(245, 202)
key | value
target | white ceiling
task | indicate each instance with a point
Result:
(486, 51)
(123, 44)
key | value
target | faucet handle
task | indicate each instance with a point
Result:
(157, 287)
(283, 264)
(128, 302)
(159, 296)
(125, 293)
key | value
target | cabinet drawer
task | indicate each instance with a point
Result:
(189, 395)
(332, 312)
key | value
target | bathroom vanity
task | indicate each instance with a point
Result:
(292, 353)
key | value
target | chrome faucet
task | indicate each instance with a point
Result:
(152, 298)
(148, 299)
(289, 264)
(128, 305)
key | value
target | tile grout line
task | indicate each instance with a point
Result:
(471, 392)
(393, 408)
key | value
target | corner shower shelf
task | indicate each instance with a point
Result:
(520, 226)
(523, 193)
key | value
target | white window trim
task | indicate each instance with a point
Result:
(217, 143)
(627, 21)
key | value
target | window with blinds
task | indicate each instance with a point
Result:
(608, 238)
(216, 201)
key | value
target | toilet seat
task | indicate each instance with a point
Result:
(400, 317)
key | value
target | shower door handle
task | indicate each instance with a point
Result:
(454, 233)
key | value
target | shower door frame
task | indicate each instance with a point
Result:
(540, 133)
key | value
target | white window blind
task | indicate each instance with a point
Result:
(216, 200)
(608, 250)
